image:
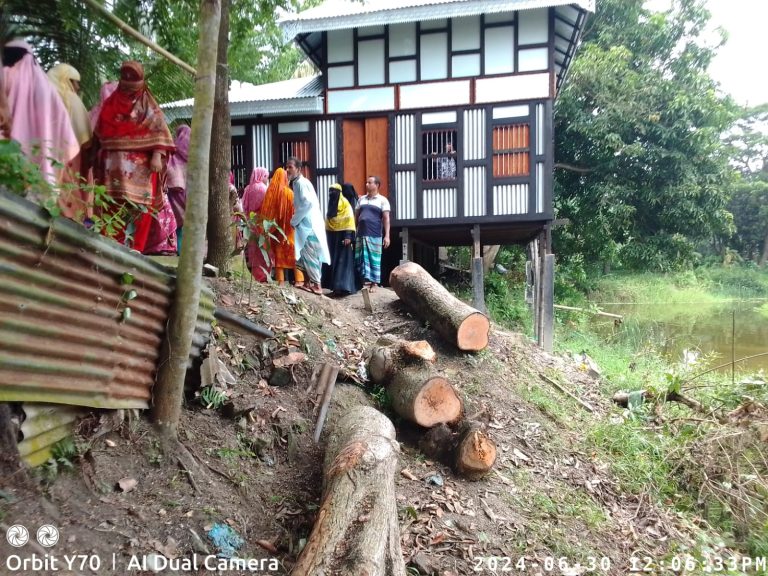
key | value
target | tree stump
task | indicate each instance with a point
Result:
(455, 321)
(416, 393)
(469, 451)
(356, 531)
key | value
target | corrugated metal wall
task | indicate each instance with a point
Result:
(540, 127)
(325, 148)
(474, 135)
(405, 186)
(439, 203)
(510, 199)
(540, 187)
(324, 182)
(63, 339)
(474, 191)
(405, 140)
(262, 146)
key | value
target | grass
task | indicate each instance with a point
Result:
(651, 454)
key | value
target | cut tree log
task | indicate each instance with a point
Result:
(357, 530)
(416, 393)
(469, 451)
(457, 322)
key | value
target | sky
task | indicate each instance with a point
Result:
(739, 66)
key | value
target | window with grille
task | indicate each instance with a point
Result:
(438, 155)
(511, 150)
(299, 149)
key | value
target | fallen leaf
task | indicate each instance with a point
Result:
(407, 473)
(338, 323)
(127, 484)
(267, 545)
(289, 360)
(521, 455)
(109, 443)
(227, 300)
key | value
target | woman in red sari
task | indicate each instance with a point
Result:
(135, 142)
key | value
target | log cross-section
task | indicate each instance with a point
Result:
(416, 392)
(357, 531)
(457, 322)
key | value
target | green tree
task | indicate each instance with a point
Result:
(168, 393)
(642, 173)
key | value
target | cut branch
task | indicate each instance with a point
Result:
(457, 322)
(357, 530)
(469, 451)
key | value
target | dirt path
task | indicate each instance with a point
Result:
(256, 469)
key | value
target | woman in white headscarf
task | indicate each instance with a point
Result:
(75, 201)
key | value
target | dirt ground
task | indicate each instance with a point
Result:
(547, 508)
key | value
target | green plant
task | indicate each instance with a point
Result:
(63, 456)
(212, 398)
(17, 174)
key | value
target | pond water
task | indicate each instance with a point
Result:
(707, 328)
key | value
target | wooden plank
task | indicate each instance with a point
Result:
(548, 310)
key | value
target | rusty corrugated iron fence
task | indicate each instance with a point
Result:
(64, 336)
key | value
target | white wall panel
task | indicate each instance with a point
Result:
(510, 199)
(435, 94)
(474, 134)
(433, 64)
(325, 145)
(532, 60)
(540, 129)
(340, 46)
(499, 50)
(402, 39)
(262, 147)
(439, 202)
(539, 187)
(525, 87)
(474, 191)
(465, 33)
(405, 190)
(362, 100)
(370, 62)
(534, 26)
(341, 76)
(404, 139)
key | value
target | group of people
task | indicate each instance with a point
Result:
(339, 252)
(123, 144)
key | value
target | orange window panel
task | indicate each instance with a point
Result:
(510, 150)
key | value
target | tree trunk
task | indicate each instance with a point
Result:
(489, 257)
(220, 227)
(10, 462)
(455, 321)
(356, 531)
(169, 389)
(416, 394)
(469, 451)
(764, 255)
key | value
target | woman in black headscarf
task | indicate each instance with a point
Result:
(339, 276)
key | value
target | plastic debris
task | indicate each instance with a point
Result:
(225, 539)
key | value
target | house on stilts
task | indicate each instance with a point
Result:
(450, 103)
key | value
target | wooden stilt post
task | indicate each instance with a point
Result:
(407, 255)
(540, 254)
(548, 303)
(478, 292)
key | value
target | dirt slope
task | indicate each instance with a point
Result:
(548, 506)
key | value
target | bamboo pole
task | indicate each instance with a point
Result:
(594, 312)
(136, 35)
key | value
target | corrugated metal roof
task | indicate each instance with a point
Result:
(294, 96)
(62, 339)
(343, 14)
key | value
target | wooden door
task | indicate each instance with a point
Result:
(366, 152)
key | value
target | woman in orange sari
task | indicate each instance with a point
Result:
(278, 207)
(135, 143)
